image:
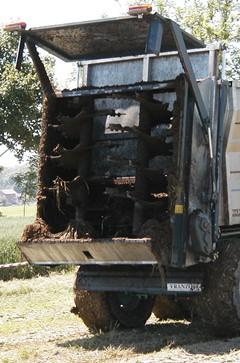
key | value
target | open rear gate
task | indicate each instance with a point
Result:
(136, 265)
(89, 251)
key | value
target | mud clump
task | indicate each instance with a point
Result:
(93, 309)
(39, 229)
(160, 233)
(166, 308)
(80, 229)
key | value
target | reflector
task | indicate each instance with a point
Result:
(15, 26)
(139, 9)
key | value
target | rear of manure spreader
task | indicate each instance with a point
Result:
(139, 174)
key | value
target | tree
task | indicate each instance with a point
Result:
(209, 20)
(26, 184)
(20, 99)
(214, 21)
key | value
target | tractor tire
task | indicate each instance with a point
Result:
(94, 311)
(166, 307)
(130, 310)
(104, 311)
(218, 307)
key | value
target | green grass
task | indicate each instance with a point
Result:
(10, 231)
(17, 211)
(36, 326)
(11, 227)
(12, 224)
(40, 301)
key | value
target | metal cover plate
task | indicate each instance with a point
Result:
(87, 251)
(104, 38)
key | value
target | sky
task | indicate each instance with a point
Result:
(48, 12)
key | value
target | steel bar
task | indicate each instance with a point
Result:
(187, 66)
(183, 175)
(140, 280)
(21, 45)
(101, 91)
(41, 71)
(141, 185)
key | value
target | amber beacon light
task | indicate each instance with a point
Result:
(140, 9)
(15, 26)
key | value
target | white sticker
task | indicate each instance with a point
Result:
(184, 287)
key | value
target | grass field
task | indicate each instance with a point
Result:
(12, 224)
(17, 211)
(10, 231)
(36, 326)
(11, 227)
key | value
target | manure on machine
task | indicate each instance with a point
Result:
(139, 172)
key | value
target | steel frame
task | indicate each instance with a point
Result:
(41, 71)
(180, 217)
(142, 280)
(193, 95)
(110, 90)
(153, 43)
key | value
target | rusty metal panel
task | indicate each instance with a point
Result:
(87, 251)
(104, 38)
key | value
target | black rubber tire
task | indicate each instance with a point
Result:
(218, 307)
(166, 307)
(132, 313)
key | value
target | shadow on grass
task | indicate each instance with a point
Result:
(155, 337)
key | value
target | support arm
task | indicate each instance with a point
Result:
(41, 71)
(186, 64)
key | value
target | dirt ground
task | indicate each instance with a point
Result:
(36, 326)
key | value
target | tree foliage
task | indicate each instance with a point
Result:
(20, 99)
(26, 185)
(208, 20)
(214, 21)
